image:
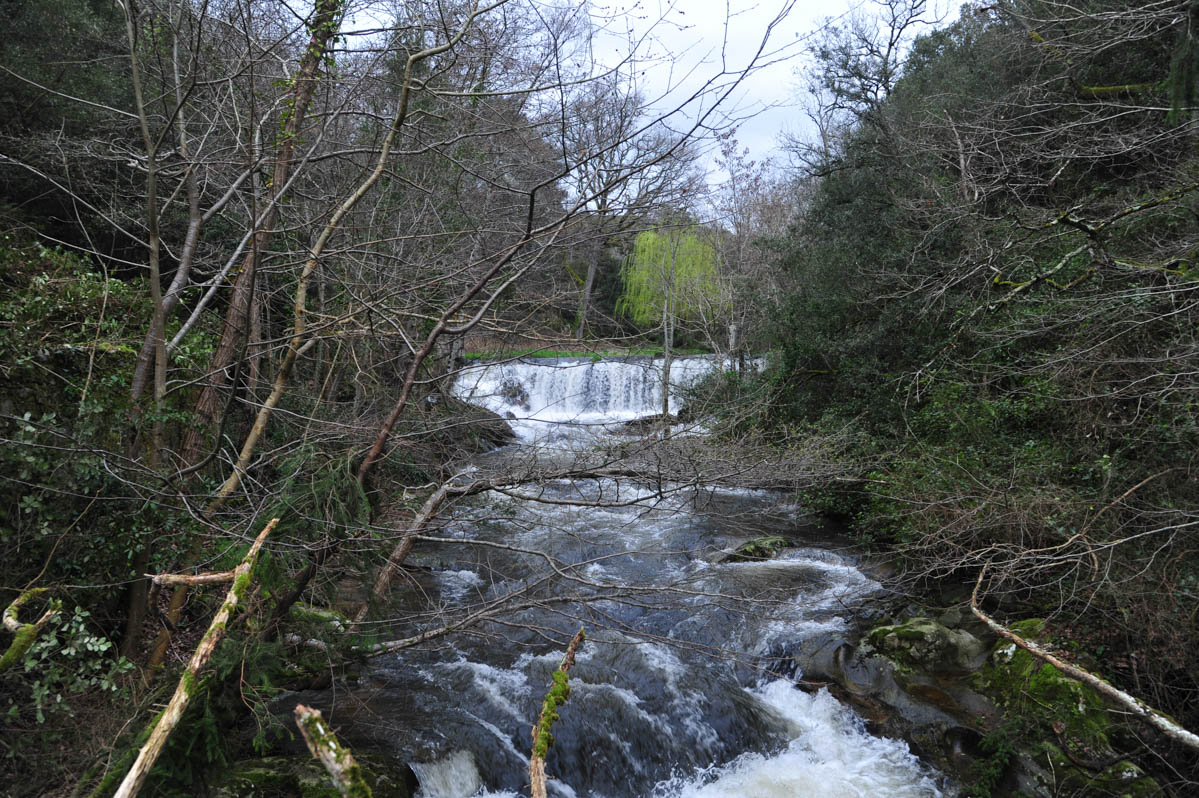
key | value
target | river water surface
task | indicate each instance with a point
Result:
(677, 690)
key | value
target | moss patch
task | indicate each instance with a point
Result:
(556, 697)
(1041, 694)
(21, 642)
(1048, 712)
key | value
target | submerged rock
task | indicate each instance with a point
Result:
(514, 393)
(759, 549)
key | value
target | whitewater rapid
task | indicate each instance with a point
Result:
(676, 692)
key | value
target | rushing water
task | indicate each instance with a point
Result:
(548, 398)
(674, 692)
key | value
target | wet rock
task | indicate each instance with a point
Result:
(952, 618)
(964, 745)
(931, 646)
(896, 700)
(759, 549)
(990, 716)
(514, 393)
(752, 550)
(478, 427)
(994, 716)
(649, 423)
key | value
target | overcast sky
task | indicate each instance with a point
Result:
(703, 31)
(683, 42)
(697, 35)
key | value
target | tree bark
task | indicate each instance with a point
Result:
(325, 747)
(165, 723)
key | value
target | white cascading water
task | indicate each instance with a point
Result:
(673, 693)
(546, 396)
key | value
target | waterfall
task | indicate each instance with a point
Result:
(536, 392)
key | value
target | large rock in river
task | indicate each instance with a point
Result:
(928, 645)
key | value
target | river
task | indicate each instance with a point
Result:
(681, 688)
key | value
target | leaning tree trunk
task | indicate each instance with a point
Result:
(239, 314)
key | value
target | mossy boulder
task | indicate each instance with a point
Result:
(759, 549)
(304, 777)
(930, 646)
(1122, 779)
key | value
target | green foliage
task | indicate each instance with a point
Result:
(67, 659)
(999, 745)
(320, 494)
(49, 484)
(73, 56)
(1184, 69)
(672, 270)
(992, 290)
(54, 303)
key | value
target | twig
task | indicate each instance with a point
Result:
(193, 579)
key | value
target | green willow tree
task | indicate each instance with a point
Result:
(671, 276)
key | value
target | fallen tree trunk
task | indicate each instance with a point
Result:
(166, 722)
(1132, 704)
